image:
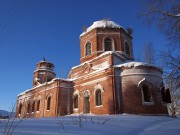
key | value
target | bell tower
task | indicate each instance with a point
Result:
(44, 72)
(103, 36)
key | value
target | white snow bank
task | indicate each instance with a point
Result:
(102, 24)
(97, 125)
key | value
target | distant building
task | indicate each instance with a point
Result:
(107, 81)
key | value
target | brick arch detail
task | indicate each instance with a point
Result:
(49, 95)
(113, 43)
(144, 81)
(100, 87)
(76, 92)
(88, 93)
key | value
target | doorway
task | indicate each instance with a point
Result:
(86, 102)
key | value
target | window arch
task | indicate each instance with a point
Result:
(145, 86)
(76, 101)
(168, 96)
(163, 94)
(28, 107)
(20, 108)
(88, 49)
(86, 94)
(108, 44)
(38, 104)
(33, 106)
(49, 103)
(98, 97)
(146, 93)
(127, 49)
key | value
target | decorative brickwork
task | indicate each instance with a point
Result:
(104, 82)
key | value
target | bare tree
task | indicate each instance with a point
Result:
(149, 53)
(172, 80)
(166, 15)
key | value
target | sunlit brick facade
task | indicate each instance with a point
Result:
(107, 81)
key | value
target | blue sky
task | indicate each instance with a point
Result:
(33, 29)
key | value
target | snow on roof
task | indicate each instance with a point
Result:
(132, 64)
(101, 55)
(96, 71)
(39, 85)
(102, 24)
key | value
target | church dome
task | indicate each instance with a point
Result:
(101, 24)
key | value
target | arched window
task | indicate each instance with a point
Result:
(108, 44)
(76, 101)
(98, 97)
(163, 94)
(168, 96)
(49, 103)
(146, 93)
(38, 105)
(86, 102)
(20, 108)
(28, 107)
(88, 49)
(33, 106)
(127, 49)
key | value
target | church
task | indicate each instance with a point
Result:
(107, 80)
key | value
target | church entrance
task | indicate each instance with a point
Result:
(86, 102)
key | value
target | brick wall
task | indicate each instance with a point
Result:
(132, 97)
(58, 96)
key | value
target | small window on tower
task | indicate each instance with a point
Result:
(107, 44)
(88, 49)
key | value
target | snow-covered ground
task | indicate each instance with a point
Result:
(96, 125)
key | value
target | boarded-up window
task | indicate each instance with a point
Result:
(163, 94)
(76, 101)
(146, 93)
(33, 106)
(168, 96)
(49, 103)
(98, 97)
(20, 108)
(38, 105)
(28, 107)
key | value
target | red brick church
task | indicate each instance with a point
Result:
(107, 81)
